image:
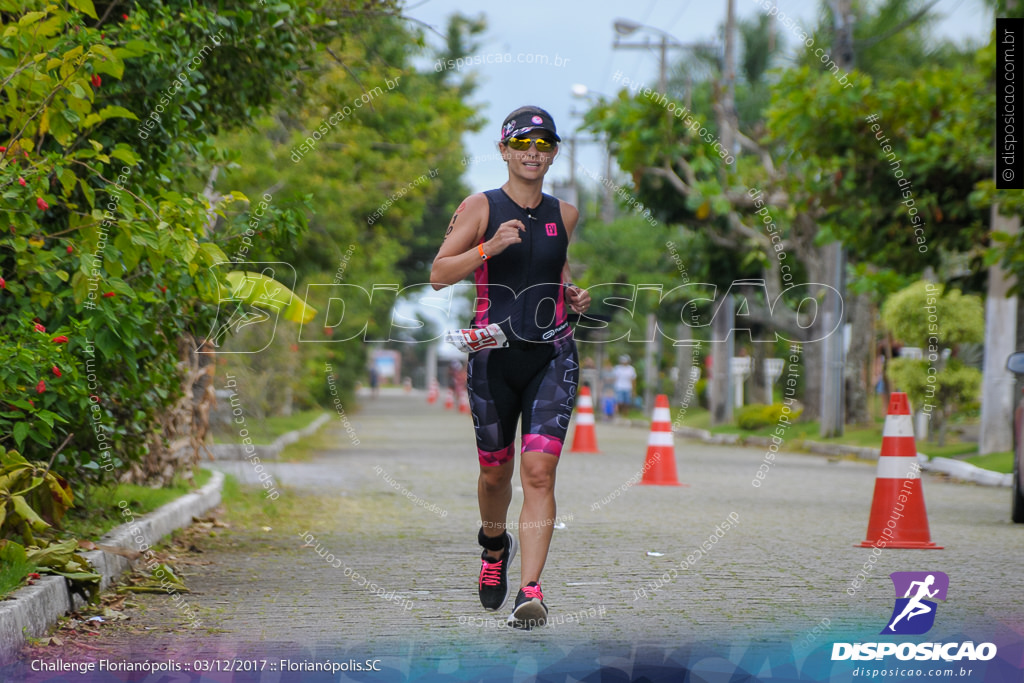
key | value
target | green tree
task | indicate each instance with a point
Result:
(379, 184)
(109, 259)
(936, 320)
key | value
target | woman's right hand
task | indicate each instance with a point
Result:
(507, 234)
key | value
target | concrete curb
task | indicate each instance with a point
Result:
(957, 469)
(31, 610)
(234, 451)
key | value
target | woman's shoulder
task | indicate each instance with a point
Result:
(570, 214)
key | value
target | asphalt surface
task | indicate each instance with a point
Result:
(780, 571)
(786, 564)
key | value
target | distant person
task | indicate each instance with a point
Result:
(513, 241)
(624, 383)
(608, 404)
(374, 381)
(457, 378)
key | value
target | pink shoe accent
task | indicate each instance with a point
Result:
(533, 592)
(490, 573)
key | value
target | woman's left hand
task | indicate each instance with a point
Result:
(578, 299)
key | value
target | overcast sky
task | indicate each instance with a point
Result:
(580, 35)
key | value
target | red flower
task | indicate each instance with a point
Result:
(96, 80)
(21, 181)
(40, 328)
(60, 340)
(33, 575)
(32, 403)
(3, 283)
(3, 149)
(56, 370)
(41, 203)
(109, 294)
(70, 249)
(41, 387)
(125, 17)
(163, 289)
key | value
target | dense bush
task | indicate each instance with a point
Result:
(757, 415)
(107, 253)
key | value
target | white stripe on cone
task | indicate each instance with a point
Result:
(585, 402)
(898, 425)
(661, 415)
(584, 419)
(660, 439)
(897, 467)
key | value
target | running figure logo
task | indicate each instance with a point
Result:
(914, 614)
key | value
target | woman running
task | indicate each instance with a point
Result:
(514, 241)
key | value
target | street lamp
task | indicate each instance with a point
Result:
(625, 27)
(581, 91)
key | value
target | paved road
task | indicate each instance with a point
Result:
(773, 577)
(784, 567)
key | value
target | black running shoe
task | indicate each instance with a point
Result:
(530, 609)
(493, 584)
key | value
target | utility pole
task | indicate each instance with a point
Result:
(833, 414)
(724, 308)
(997, 384)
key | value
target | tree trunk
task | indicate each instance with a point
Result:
(684, 363)
(1000, 334)
(175, 447)
(859, 359)
(760, 391)
(721, 353)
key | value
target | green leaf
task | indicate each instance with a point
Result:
(84, 6)
(31, 517)
(125, 154)
(20, 432)
(90, 194)
(212, 252)
(31, 18)
(108, 343)
(67, 179)
(55, 555)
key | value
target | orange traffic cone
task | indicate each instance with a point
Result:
(898, 517)
(463, 401)
(660, 466)
(449, 399)
(433, 392)
(584, 439)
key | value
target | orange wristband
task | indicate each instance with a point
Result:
(480, 248)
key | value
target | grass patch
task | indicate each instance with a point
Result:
(997, 462)
(866, 436)
(953, 448)
(248, 508)
(303, 450)
(98, 511)
(266, 430)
